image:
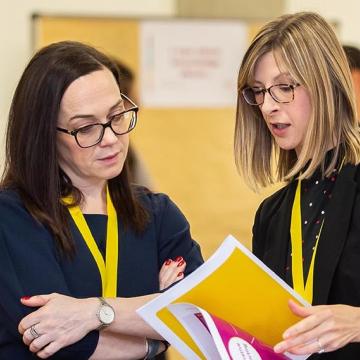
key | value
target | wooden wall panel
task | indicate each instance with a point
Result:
(240, 9)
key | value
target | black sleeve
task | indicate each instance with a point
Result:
(28, 266)
(257, 243)
(174, 235)
(267, 209)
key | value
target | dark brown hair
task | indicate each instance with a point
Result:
(126, 76)
(353, 56)
(31, 166)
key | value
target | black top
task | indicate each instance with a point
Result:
(31, 265)
(316, 193)
(336, 270)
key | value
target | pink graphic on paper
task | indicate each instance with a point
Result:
(202, 320)
(242, 346)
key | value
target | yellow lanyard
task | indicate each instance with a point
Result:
(108, 268)
(305, 289)
(302, 288)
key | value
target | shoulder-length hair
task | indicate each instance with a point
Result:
(305, 46)
(32, 166)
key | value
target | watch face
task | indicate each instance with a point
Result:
(106, 314)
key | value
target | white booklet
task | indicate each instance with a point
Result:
(232, 307)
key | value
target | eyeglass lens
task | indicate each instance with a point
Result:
(282, 93)
(120, 124)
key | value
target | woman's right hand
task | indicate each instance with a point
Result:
(171, 272)
(60, 321)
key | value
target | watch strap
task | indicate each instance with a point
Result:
(102, 301)
(152, 348)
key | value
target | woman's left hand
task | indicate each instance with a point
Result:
(60, 321)
(171, 272)
(324, 328)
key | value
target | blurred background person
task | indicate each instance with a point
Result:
(353, 56)
(139, 173)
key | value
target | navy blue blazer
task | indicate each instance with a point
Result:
(337, 262)
(30, 264)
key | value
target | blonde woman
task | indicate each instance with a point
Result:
(296, 122)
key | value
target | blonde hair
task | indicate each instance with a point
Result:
(306, 45)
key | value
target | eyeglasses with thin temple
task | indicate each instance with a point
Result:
(281, 93)
(120, 123)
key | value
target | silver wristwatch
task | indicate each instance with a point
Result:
(105, 313)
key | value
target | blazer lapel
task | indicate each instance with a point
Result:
(334, 233)
(279, 228)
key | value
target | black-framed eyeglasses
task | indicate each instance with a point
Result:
(120, 124)
(281, 93)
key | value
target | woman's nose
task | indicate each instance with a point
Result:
(109, 137)
(269, 105)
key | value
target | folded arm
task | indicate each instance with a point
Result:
(63, 320)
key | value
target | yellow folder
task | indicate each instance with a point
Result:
(234, 286)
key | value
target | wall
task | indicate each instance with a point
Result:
(243, 9)
(16, 41)
(16, 37)
(345, 14)
(15, 28)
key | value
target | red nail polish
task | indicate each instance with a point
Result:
(167, 262)
(25, 297)
(179, 258)
(181, 263)
(180, 274)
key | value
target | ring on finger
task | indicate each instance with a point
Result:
(321, 348)
(33, 332)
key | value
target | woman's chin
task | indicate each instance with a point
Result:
(111, 172)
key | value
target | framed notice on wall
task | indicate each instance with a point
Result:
(187, 63)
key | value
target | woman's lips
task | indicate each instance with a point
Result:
(109, 158)
(279, 129)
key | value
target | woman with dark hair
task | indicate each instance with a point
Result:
(75, 235)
